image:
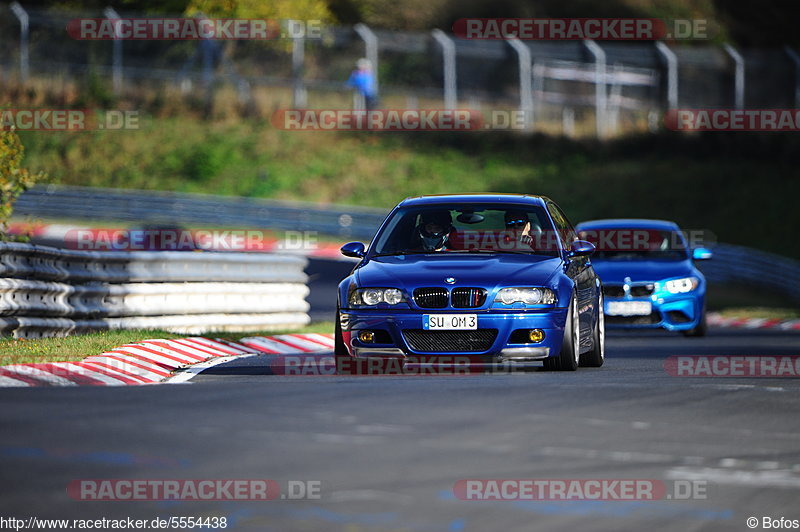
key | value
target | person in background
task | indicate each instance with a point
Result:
(362, 79)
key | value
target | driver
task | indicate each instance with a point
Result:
(434, 230)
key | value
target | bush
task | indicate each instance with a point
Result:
(13, 179)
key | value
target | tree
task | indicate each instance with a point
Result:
(13, 179)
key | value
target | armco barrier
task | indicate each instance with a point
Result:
(148, 207)
(51, 292)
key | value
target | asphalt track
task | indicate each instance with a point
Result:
(387, 451)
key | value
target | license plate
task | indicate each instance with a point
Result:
(449, 322)
(628, 308)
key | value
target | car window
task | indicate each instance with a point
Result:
(632, 243)
(467, 228)
(566, 232)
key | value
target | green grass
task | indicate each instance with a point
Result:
(72, 348)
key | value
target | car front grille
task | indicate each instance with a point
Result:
(642, 290)
(612, 290)
(650, 319)
(433, 297)
(639, 290)
(474, 341)
(468, 297)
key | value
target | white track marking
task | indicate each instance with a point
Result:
(777, 479)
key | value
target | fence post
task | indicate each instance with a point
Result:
(449, 67)
(371, 45)
(739, 80)
(796, 60)
(111, 14)
(669, 57)
(24, 27)
(525, 80)
(600, 97)
(299, 94)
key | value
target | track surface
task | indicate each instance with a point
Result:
(388, 450)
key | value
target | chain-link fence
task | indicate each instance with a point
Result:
(612, 86)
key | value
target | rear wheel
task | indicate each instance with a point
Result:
(567, 359)
(596, 357)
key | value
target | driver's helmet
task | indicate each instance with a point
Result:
(434, 229)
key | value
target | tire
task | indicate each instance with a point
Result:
(700, 330)
(567, 359)
(596, 357)
(344, 362)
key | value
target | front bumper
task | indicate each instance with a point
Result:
(396, 331)
(674, 313)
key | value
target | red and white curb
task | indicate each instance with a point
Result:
(154, 361)
(753, 323)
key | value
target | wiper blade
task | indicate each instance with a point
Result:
(490, 251)
(397, 253)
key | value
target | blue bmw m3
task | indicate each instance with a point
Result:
(495, 277)
(648, 273)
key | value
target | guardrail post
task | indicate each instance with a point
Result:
(601, 99)
(449, 67)
(24, 28)
(671, 60)
(525, 80)
(299, 94)
(796, 60)
(112, 15)
(739, 79)
(371, 45)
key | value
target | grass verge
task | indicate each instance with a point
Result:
(72, 348)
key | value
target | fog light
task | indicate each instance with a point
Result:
(536, 335)
(366, 336)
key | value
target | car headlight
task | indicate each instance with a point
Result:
(374, 296)
(529, 296)
(681, 286)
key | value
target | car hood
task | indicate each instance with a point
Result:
(481, 270)
(615, 271)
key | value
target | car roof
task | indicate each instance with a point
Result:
(628, 223)
(496, 198)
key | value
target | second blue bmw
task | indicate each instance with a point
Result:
(494, 276)
(649, 276)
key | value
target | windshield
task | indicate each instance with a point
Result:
(635, 244)
(472, 228)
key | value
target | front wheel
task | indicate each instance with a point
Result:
(596, 357)
(567, 359)
(701, 328)
(344, 362)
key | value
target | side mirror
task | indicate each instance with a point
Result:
(357, 250)
(701, 254)
(580, 248)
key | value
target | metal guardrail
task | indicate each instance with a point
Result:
(743, 265)
(146, 207)
(54, 292)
